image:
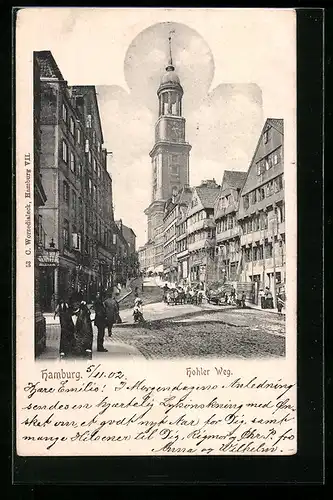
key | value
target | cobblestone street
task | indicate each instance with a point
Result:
(189, 331)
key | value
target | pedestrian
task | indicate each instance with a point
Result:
(233, 294)
(63, 310)
(142, 286)
(83, 332)
(279, 303)
(262, 298)
(100, 322)
(165, 292)
(112, 313)
(268, 298)
(136, 292)
(243, 300)
(137, 311)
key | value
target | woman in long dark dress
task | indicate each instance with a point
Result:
(66, 346)
(83, 332)
(112, 313)
(100, 322)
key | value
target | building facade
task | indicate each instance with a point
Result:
(201, 233)
(169, 157)
(261, 213)
(39, 201)
(227, 251)
(77, 219)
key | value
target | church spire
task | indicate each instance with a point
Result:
(170, 66)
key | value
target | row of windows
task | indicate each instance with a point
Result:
(228, 222)
(227, 201)
(181, 229)
(182, 245)
(75, 130)
(258, 252)
(199, 216)
(228, 247)
(201, 235)
(269, 161)
(69, 158)
(259, 194)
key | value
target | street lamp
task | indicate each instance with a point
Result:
(49, 258)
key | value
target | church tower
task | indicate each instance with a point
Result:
(170, 154)
(169, 157)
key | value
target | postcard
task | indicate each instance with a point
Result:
(156, 232)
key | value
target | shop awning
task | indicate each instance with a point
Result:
(159, 269)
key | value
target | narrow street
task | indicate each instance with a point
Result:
(186, 331)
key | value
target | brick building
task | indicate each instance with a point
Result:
(261, 213)
(77, 219)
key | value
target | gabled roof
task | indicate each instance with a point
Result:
(233, 179)
(276, 123)
(207, 195)
(184, 196)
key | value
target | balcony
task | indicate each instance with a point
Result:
(204, 243)
(248, 239)
(229, 233)
(201, 224)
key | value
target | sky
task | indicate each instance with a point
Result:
(237, 68)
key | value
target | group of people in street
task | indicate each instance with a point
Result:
(179, 294)
(76, 330)
(267, 302)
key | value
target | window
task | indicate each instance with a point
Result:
(90, 186)
(246, 201)
(94, 136)
(230, 222)
(98, 171)
(98, 146)
(94, 193)
(72, 162)
(74, 200)
(72, 126)
(279, 183)
(114, 239)
(76, 241)
(267, 135)
(78, 135)
(88, 121)
(89, 156)
(65, 233)
(86, 146)
(66, 192)
(175, 169)
(269, 250)
(64, 113)
(64, 151)
(94, 164)
(254, 197)
(80, 170)
(263, 221)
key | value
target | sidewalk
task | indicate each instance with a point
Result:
(258, 308)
